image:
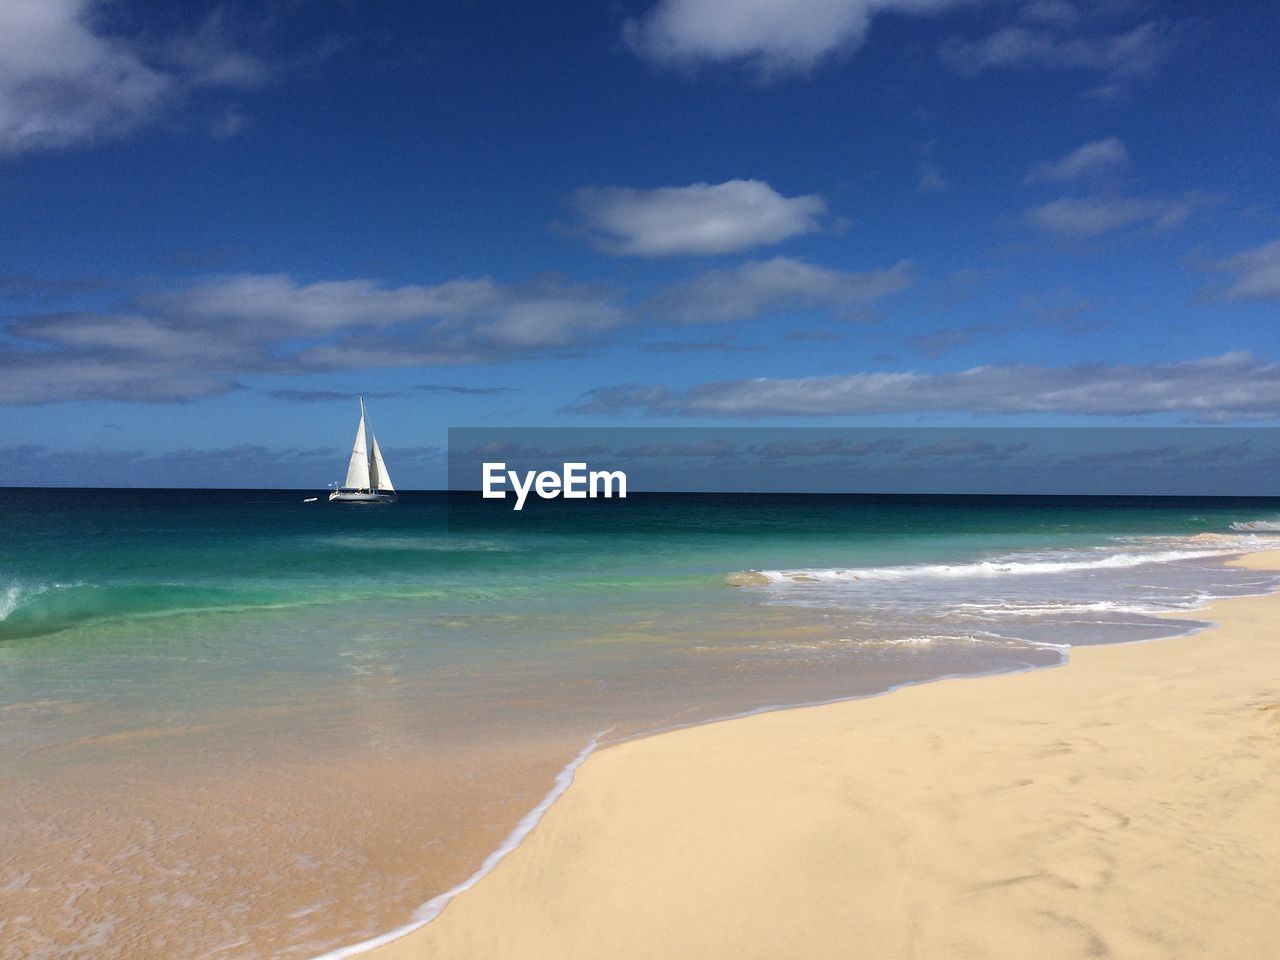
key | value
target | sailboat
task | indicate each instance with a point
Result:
(367, 478)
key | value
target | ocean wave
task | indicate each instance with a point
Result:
(983, 568)
(924, 640)
(16, 594)
(32, 610)
(9, 600)
(1257, 526)
(1038, 597)
(1033, 608)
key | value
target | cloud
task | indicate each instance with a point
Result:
(812, 336)
(228, 124)
(64, 83)
(931, 178)
(208, 56)
(463, 391)
(1057, 12)
(61, 84)
(327, 396)
(700, 219)
(721, 345)
(1064, 310)
(940, 341)
(37, 465)
(1080, 218)
(459, 321)
(752, 289)
(965, 448)
(193, 342)
(1121, 57)
(1257, 273)
(1231, 387)
(1139, 455)
(185, 343)
(773, 37)
(1089, 160)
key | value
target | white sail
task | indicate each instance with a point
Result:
(358, 468)
(380, 479)
(367, 479)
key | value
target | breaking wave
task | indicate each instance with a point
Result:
(1064, 597)
(1257, 526)
(16, 595)
(983, 568)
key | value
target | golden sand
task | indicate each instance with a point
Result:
(1125, 805)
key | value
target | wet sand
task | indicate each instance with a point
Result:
(280, 859)
(1122, 805)
(327, 814)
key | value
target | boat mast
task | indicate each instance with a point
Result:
(373, 483)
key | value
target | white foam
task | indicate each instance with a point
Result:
(986, 568)
(1257, 526)
(15, 595)
(9, 600)
(1033, 609)
(433, 907)
(924, 640)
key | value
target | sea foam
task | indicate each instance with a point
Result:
(983, 568)
(1257, 526)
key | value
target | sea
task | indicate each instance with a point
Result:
(249, 724)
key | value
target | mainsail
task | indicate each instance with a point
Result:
(381, 480)
(358, 468)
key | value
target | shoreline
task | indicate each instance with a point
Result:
(420, 937)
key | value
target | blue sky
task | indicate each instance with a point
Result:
(220, 224)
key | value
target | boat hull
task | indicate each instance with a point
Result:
(362, 496)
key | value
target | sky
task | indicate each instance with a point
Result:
(221, 222)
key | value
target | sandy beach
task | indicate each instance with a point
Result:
(1122, 805)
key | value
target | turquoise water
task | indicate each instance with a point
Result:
(220, 636)
(219, 596)
(69, 558)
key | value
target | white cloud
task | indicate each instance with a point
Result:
(1257, 273)
(1079, 218)
(700, 219)
(276, 302)
(1121, 57)
(773, 36)
(191, 343)
(207, 57)
(752, 289)
(63, 84)
(462, 320)
(1230, 387)
(1089, 160)
(60, 84)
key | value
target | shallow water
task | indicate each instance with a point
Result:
(236, 725)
